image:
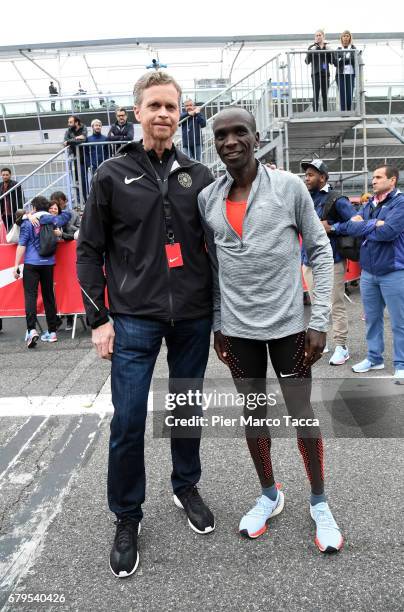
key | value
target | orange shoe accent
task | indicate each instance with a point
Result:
(322, 549)
(278, 485)
(259, 532)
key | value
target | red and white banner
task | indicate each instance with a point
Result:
(67, 289)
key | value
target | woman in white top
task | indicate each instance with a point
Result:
(345, 60)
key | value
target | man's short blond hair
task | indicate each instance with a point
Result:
(151, 79)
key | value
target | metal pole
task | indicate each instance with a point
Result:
(290, 107)
(365, 155)
(286, 146)
(43, 70)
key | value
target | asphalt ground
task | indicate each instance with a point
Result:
(56, 529)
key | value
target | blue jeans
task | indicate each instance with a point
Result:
(137, 345)
(378, 292)
(346, 85)
(193, 151)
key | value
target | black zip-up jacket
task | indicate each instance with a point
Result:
(123, 222)
(319, 59)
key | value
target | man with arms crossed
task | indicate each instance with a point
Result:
(380, 222)
(252, 217)
(142, 216)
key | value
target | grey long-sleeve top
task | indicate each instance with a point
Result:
(257, 278)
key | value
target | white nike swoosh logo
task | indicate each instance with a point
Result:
(7, 276)
(174, 259)
(287, 375)
(136, 178)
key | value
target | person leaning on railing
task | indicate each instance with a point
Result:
(320, 71)
(344, 61)
(75, 135)
(96, 153)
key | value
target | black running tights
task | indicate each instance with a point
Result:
(248, 360)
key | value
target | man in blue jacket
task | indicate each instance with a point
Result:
(192, 130)
(381, 223)
(316, 179)
(38, 269)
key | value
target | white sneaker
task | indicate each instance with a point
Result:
(254, 523)
(365, 365)
(31, 338)
(399, 377)
(328, 535)
(326, 349)
(339, 356)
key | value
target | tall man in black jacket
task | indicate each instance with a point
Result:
(141, 220)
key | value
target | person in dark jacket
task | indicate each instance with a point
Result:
(319, 57)
(53, 92)
(122, 130)
(380, 222)
(12, 201)
(345, 60)
(316, 179)
(75, 135)
(141, 222)
(192, 123)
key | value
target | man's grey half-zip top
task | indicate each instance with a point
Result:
(257, 278)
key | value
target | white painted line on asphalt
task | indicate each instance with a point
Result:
(22, 449)
(58, 405)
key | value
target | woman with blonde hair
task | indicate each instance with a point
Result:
(345, 74)
(319, 57)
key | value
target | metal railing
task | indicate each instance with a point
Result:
(263, 92)
(55, 174)
(324, 82)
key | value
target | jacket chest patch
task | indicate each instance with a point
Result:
(185, 180)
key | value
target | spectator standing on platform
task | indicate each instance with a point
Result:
(191, 127)
(122, 130)
(96, 153)
(75, 135)
(316, 179)
(53, 92)
(344, 60)
(380, 221)
(38, 269)
(319, 57)
(141, 222)
(10, 203)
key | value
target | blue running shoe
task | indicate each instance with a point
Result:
(254, 523)
(365, 365)
(328, 535)
(49, 337)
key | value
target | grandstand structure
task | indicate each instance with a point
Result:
(268, 75)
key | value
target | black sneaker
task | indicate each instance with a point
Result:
(124, 557)
(200, 518)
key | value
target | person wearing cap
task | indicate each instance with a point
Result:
(316, 179)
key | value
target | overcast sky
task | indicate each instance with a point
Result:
(50, 20)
